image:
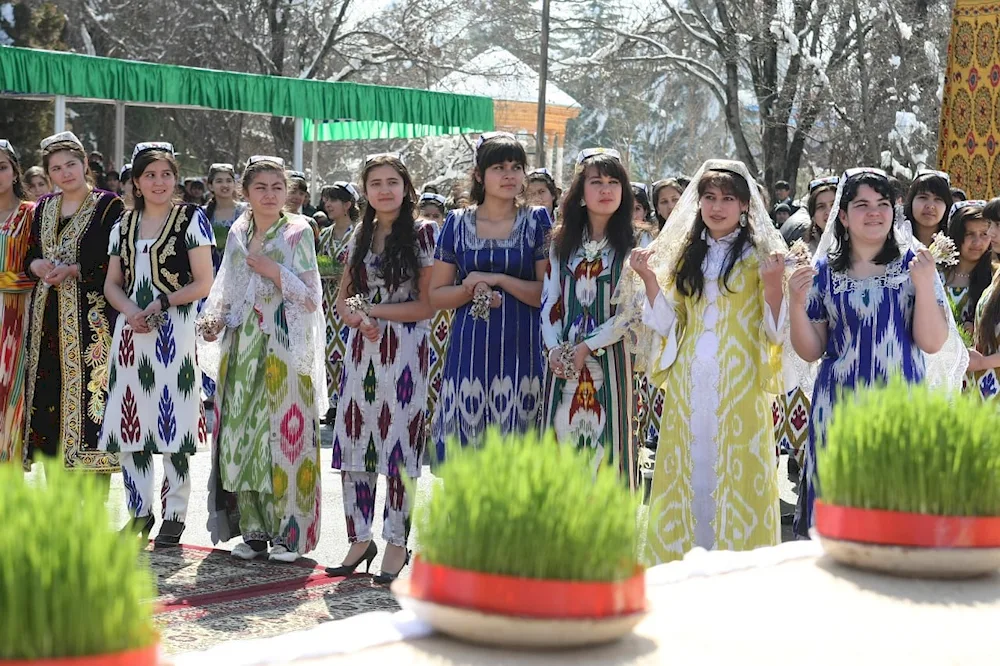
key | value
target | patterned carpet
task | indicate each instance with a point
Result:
(208, 597)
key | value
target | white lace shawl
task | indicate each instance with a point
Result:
(237, 289)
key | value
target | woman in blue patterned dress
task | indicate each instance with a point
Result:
(493, 368)
(871, 305)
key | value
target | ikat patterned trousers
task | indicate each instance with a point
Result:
(140, 486)
(359, 508)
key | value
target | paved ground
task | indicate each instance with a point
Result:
(333, 540)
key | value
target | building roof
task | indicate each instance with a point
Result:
(499, 74)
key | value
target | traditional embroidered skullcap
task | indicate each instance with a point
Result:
(587, 153)
(266, 158)
(435, 197)
(152, 145)
(61, 137)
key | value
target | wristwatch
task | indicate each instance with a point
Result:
(164, 302)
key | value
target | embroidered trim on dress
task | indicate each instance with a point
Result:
(470, 240)
(97, 356)
(893, 278)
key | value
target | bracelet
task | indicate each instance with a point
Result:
(164, 302)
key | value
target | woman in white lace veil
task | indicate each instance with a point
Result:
(868, 307)
(264, 343)
(667, 247)
(710, 333)
(947, 367)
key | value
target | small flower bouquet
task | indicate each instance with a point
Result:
(509, 558)
(943, 249)
(908, 479)
(565, 354)
(361, 305)
(157, 319)
(798, 255)
(481, 300)
(209, 323)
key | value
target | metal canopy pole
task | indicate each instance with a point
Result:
(297, 152)
(313, 194)
(60, 114)
(543, 75)
(119, 156)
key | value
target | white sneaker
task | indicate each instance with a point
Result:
(282, 554)
(245, 551)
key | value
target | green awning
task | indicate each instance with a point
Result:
(348, 130)
(378, 110)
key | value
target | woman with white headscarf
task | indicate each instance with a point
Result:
(706, 302)
(872, 304)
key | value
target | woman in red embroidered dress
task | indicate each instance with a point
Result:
(15, 224)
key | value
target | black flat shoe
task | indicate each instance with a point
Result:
(139, 526)
(170, 534)
(386, 578)
(345, 570)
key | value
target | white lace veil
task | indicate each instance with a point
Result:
(234, 294)
(668, 247)
(946, 368)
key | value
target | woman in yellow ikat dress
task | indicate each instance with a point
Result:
(706, 303)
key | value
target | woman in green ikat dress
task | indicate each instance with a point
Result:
(264, 322)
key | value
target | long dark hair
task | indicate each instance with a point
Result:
(986, 325)
(840, 256)
(18, 184)
(936, 185)
(498, 150)
(399, 258)
(568, 236)
(142, 162)
(982, 274)
(688, 275)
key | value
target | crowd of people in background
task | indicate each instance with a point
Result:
(678, 332)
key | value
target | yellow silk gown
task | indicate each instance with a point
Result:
(718, 361)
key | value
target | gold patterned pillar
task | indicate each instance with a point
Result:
(970, 113)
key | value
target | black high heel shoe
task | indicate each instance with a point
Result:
(345, 570)
(386, 578)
